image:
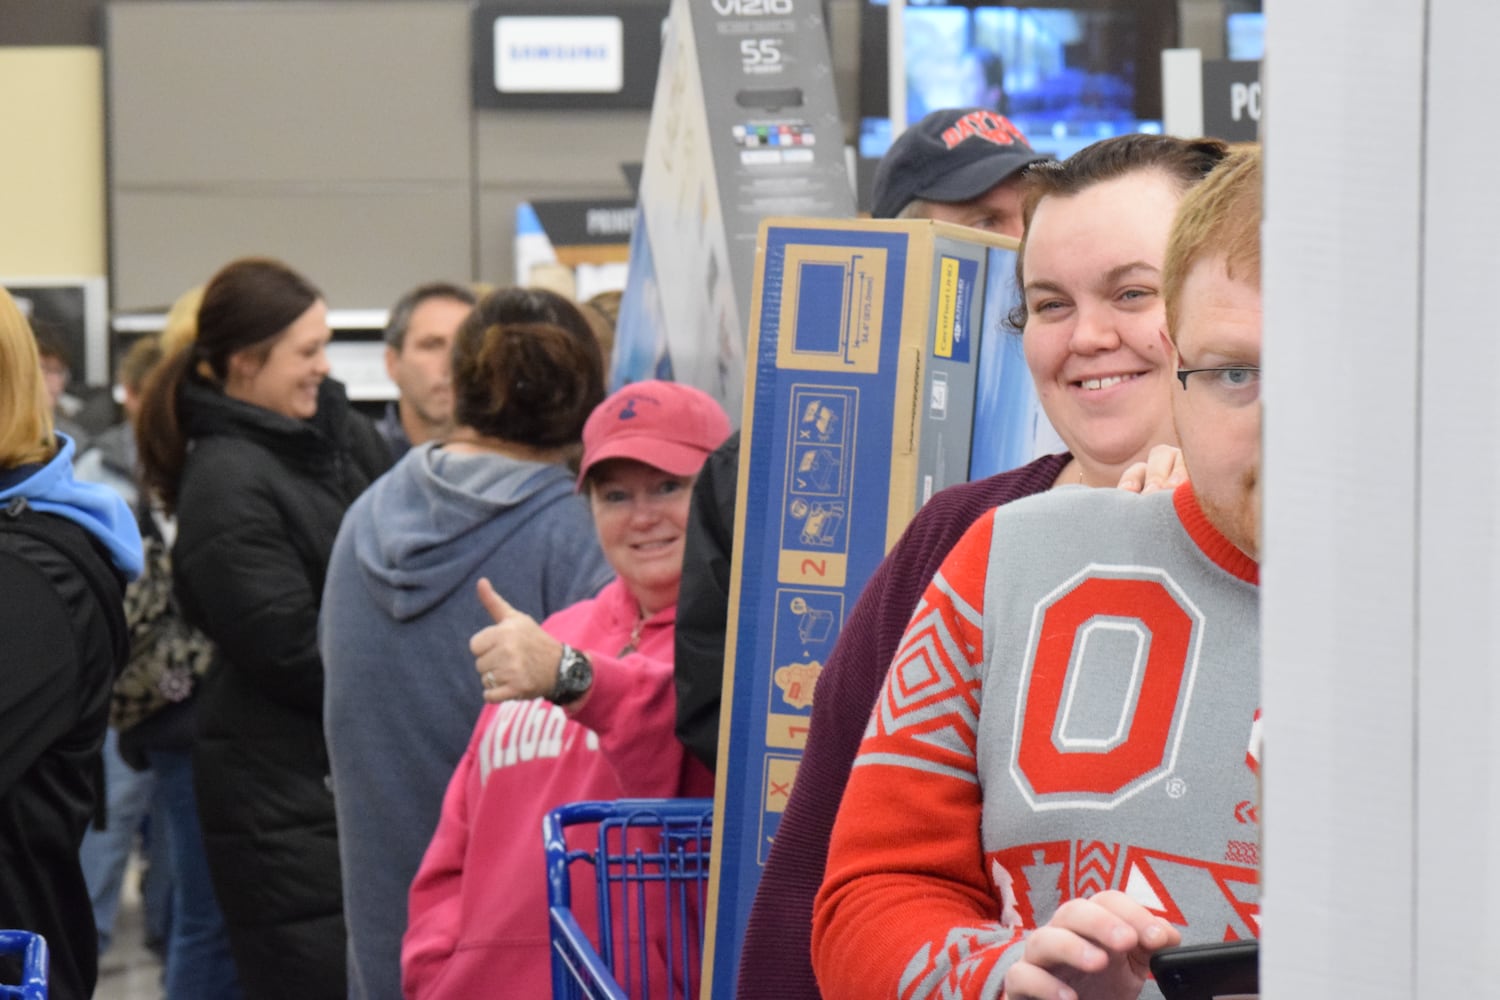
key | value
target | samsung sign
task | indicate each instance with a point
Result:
(567, 53)
(559, 55)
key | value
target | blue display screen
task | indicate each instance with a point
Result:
(1245, 36)
(1065, 76)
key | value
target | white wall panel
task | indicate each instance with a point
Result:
(1344, 114)
(361, 247)
(336, 134)
(1457, 916)
(292, 91)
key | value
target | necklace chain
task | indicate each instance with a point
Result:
(635, 637)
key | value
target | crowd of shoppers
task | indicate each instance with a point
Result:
(361, 659)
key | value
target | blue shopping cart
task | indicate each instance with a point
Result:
(32, 950)
(650, 873)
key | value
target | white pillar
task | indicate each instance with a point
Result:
(1458, 573)
(1381, 581)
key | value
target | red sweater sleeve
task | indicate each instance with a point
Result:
(435, 903)
(906, 909)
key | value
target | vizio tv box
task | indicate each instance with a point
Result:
(873, 346)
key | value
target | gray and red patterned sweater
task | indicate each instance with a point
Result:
(1070, 711)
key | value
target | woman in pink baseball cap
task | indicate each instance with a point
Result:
(579, 707)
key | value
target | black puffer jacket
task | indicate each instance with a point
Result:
(260, 502)
(62, 629)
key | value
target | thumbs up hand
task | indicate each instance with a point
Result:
(496, 605)
(514, 657)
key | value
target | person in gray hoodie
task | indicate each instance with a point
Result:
(496, 500)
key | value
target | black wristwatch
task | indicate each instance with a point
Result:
(575, 674)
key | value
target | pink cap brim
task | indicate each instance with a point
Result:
(668, 456)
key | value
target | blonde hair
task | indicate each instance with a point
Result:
(917, 208)
(603, 312)
(1218, 218)
(181, 327)
(144, 355)
(26, 433)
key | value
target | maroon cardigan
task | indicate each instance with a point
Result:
(775, 959)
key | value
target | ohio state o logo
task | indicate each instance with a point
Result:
(1114, 646)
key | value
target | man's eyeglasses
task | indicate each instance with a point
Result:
(1237, 385)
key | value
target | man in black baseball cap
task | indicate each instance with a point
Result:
(961, 165)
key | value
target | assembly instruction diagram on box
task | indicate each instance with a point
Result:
(815, 500)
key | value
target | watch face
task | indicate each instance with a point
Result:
(574, 675)
(578, 671)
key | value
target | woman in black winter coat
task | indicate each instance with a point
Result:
(259, 453)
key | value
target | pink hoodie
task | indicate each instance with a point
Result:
(478, 907)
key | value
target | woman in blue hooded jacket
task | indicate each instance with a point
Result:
(66, 550)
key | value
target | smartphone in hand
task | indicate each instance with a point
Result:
(1229, 970)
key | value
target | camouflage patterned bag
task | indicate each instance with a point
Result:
(167, 655)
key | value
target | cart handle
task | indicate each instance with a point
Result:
(33, 949)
